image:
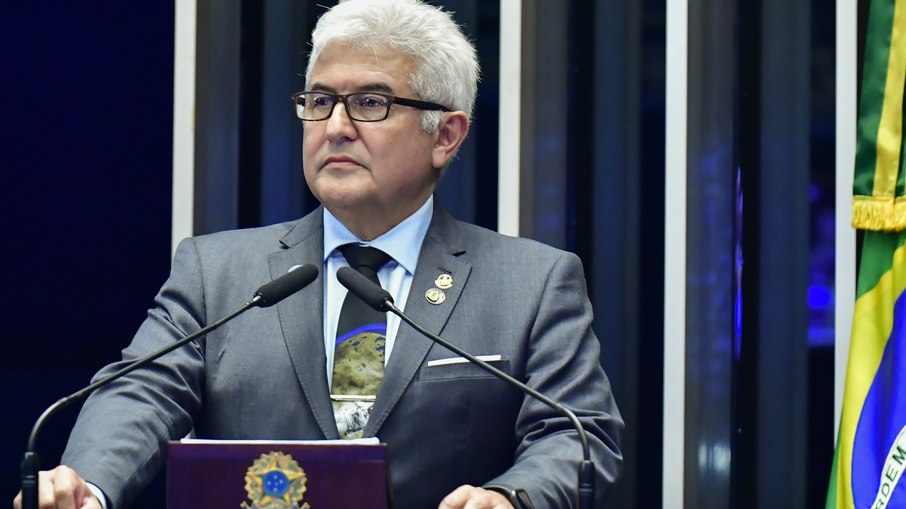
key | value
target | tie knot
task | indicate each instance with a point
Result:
(364, 256)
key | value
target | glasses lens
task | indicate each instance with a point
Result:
(368, 106)
(314, 106)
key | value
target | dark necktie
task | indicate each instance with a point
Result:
(358, 364)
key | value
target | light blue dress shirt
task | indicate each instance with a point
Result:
(403, 243)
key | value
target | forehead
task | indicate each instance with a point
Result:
(346, 68)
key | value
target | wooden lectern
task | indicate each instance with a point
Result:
(276, 475)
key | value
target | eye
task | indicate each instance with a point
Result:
(371, 101)
(319, 101)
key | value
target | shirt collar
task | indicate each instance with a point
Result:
(403, 242)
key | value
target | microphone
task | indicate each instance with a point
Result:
(265, 296)
(380, 299)
(296, 279)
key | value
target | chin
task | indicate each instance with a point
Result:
(341, 201)
(346, 189)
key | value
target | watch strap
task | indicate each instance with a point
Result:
(517, 497)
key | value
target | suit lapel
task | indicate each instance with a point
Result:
(439, 255)
(301, 316)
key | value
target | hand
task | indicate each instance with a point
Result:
(470, 497)
(62, 488)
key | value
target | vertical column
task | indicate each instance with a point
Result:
(509, 148)
(701, 263)
(217, 116)
(533, 120)
(779, 332)
(845, 235)
(286, 34)
(183, 122)
(675, 262)
(618, 224)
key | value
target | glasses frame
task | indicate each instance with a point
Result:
(391, 100)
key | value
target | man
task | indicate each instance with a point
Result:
(390, 88)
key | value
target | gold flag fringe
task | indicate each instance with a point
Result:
(879, 213)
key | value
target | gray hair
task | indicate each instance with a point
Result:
(447, 63)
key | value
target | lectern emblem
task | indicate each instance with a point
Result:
(275, 481)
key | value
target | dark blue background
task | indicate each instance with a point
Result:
(86, 99)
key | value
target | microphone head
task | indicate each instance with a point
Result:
(296, 279)
(364, 288)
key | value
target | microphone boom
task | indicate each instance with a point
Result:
(381, 300)
(267, 295)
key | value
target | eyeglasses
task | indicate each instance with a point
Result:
(360, 106)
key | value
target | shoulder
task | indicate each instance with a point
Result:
(481, 244)
(262, 240)
(267, 237)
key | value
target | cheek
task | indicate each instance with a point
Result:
(308, 157)
(308, 141)
(409, 148)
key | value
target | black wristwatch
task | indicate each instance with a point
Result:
(519, 498)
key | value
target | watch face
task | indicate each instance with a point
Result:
(520, 500)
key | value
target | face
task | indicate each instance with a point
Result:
(370, 175)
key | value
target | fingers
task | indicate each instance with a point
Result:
(62, 488)
(470, 497)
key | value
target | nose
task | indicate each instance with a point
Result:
(339, 126)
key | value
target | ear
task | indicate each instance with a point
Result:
(453, 128)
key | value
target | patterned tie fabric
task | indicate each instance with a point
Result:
(358, 364)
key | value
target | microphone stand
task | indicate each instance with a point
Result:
(31, 462)
(585, 495)
(266, 296)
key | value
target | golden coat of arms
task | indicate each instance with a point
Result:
(275, 481)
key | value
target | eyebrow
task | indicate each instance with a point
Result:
(379, 86)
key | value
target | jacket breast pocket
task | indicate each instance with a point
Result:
(459, 370)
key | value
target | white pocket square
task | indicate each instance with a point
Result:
(460, 360)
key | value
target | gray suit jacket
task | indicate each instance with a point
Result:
(263, 375)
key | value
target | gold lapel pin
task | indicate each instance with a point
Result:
(444, 281)
(435, 296)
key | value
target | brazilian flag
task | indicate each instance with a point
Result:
(870, 456)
